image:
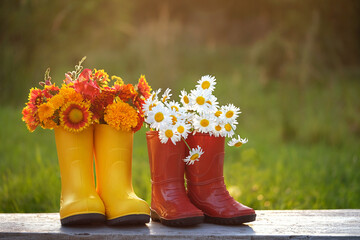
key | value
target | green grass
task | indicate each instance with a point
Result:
(303, 150)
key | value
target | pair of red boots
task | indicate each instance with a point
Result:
(206, 198)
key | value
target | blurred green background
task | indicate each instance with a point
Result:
(292, 66)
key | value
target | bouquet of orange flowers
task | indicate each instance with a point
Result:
(85, 98)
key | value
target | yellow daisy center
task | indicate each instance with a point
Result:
(238, 144)
(229, 114)
(180, 129)
(218, 128)
(164, 98)
(200, 100)
(194, 156)
(76, 115)
(209, 102)
(205, 85)
(174, 119)
(175, 108)
(218, 113)
(228, 127)
(169, 133)
(151, 106)
(159, 117)
(204, 122)
(186, 99)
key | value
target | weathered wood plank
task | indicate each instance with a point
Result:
(296, 224)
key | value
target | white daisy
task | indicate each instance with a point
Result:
(203, 123)
(174, 106)
(237, 142)
(229, 130)
(230, 112)
(194, 155)
(182, 128)
(218, 130)
(206, 83)
(168, 132)
(154, 95)
(149, 104)
(185, 99)
(203, 101)
(166, 96)
(158, 117)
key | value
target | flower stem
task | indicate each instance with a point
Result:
(186, 143)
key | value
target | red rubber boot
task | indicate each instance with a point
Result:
(206, 187)
(169, 202)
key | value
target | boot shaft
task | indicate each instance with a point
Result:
(166, 160)
(75, 155)
(210, 165)
(113, 158)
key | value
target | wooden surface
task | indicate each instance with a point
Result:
(296, 224)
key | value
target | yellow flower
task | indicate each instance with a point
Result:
(45, 111)
(70, 95)
(48, 124)
(121, 116)
(75, 116)
(57, 101)
(118, 80)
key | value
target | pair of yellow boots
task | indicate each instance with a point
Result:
(113, 199)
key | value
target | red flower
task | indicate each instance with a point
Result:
(84, 85)
(140, 122)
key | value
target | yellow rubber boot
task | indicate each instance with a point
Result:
(79, 203)
(113, 157)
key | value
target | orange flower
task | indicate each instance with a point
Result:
(50, 91)
(36, 97)
(75, 116)
(140, 121)
(29, 118)
(70, 95)
(121, 116)
(45, 111)
(103, 99)
(144, 87)
(101, 77)
(127, 92)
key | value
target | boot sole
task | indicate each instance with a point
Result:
(134, 219)
(231, 221)
(180, 222)
(81, 219)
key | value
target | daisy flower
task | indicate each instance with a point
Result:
(174, 106)
(194, 155)
(203, 123)
(166, 96)
(154, 95)
(229, 130)
(149, 104)
(185, 99)
(158, 117)
(182, 128)
(206, 83)
(237, 142)
(75, 116)
(218, 130)
(202, 101)
(230, 112)
(168, 132)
